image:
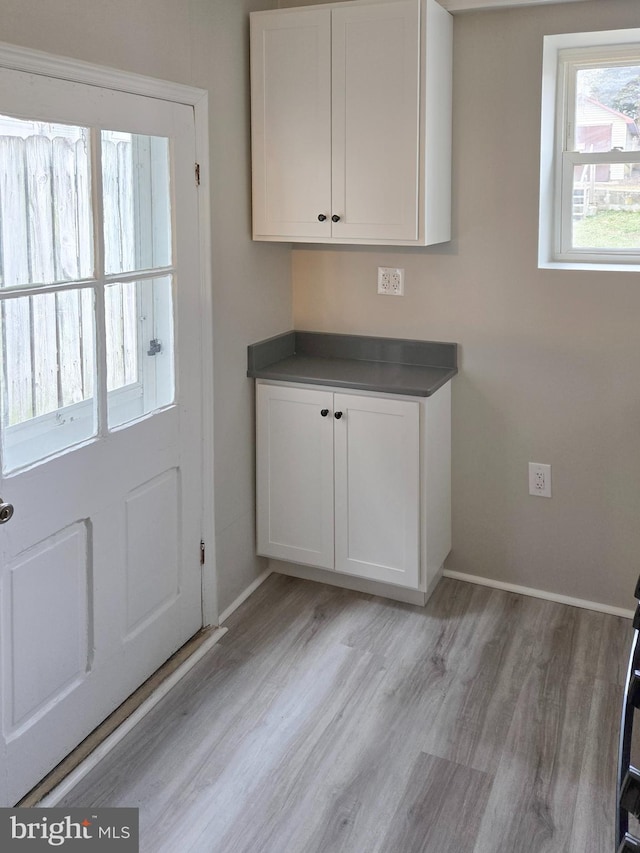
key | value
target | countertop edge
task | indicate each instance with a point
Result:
(327, 359)
(406, 391)
(353, 347)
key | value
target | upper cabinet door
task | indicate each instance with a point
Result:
(376, 111)
(291, 123)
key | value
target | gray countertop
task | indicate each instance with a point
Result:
(384, 365)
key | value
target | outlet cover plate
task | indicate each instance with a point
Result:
(539, 479)
(391, 281)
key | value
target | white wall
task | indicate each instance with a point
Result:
(549, 361)
(202, 43)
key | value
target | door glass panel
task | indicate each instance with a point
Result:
(47, 377)
(45, 207)
(137, 207)
(140, 371)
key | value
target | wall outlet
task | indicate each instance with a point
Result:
(391, 281)
(539, 479)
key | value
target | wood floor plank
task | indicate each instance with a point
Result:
(533, 800)
(286, 809)
(595, 805)
(441, 808)
(405, 632)
(244, 781)
(305, 730)
(371, 763)
(478, 708)
(613, 658)
(514, 634)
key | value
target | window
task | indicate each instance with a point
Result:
(57, 276)
(590, 154)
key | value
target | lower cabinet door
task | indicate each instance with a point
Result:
(377, 489)
(294, 436)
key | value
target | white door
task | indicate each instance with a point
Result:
(100, 424)
(294, 435)
(377, 489)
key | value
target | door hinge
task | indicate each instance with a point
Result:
(202, 552)
(154, 347)
(197, 174)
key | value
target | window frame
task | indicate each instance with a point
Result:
(564, 55)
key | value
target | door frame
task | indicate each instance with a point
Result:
(77, 71)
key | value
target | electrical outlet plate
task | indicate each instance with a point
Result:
(539, 479)
(391, 281)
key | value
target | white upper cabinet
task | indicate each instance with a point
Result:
(351, 123)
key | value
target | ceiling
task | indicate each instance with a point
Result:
(470, 5)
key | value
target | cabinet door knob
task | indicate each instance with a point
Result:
(324, 412)
(338, 415)
(335, 218)
(321, 217)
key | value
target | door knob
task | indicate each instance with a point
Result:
(335, 218)
(321, 217)
(6, 511)
(324, 412)
(338, 415)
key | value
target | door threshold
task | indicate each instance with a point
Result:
(50, 790)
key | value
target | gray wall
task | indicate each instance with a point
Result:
(550, 361)
(202, 43)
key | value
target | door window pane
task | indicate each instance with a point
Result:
(137, 212)
(140, 362)
(45, 207)
(47, 376)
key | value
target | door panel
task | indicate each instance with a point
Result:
(375, 89)
(100, 578)
(295, 474)
(291, 125)
(47, 650)
(148, 594)
(377, 475)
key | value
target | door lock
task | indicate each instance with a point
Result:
(6, 511)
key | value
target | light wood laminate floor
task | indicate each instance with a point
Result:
(328, 721)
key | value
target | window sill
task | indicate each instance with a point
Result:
(588, 266)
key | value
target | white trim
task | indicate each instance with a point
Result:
(209, 573)
(540, 593)
(92, 760)
(559, 51)
(77, 71)
(244, 595)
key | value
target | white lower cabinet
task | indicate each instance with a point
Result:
(357, 483)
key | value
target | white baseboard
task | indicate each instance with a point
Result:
(92, 760)
(540, 593)
(244, 595)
